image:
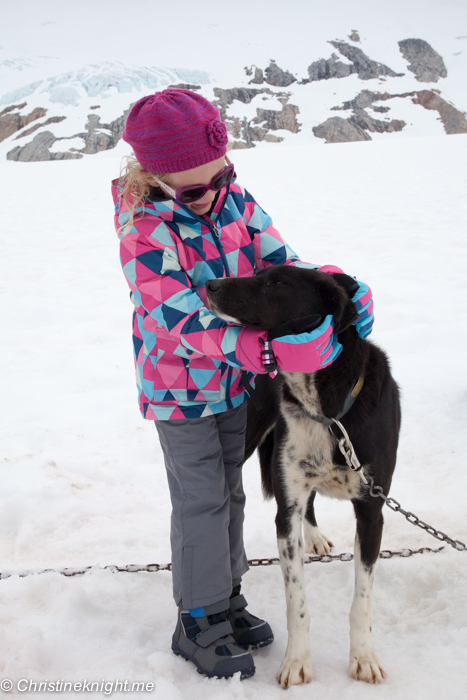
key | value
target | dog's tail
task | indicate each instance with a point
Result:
(265, 452)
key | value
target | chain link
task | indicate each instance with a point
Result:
(377, 492)
(347, 556)
(152, 568)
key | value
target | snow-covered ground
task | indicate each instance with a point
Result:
(82, 475)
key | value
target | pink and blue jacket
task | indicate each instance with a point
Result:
(185, 355)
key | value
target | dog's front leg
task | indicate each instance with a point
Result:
(296, 668)
(364, 664)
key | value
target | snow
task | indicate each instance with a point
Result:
(82, 474)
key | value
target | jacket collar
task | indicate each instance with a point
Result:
(171, 210)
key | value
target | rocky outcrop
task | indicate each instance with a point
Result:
(354, 35)
(366, 69)
(324, 69)
(273, 119)
(226, 97)
(9, 123)
(97, 137)
(454, 121)
(364, 99)
(11, 108)
(185, 86)
(354, 128)
(38, 149)
(258, 77)
(338, 130)
(246, 132)
(273, 75)
(424, 61)
(102, 137)
(367, 122)
(278, 77)
(28, 132)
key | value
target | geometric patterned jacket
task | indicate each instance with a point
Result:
(185, 359)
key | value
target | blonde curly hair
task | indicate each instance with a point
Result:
(136, 183)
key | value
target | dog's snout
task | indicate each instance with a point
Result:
(213, 286)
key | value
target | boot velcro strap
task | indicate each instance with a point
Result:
(220, 606)
(237, 602)
(209, 635)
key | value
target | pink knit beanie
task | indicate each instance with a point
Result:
(175, 130)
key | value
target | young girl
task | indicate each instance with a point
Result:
(183, 220)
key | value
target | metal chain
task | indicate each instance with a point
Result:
(151, 568)
(347, 556)
(377, 492)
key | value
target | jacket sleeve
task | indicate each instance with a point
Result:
(159, 284)
(268, 246)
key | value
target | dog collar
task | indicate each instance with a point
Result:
(348, 403)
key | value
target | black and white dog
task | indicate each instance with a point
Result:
(299, 455)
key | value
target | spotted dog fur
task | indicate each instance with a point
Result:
(298, 455)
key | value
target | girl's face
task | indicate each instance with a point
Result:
(202, 175)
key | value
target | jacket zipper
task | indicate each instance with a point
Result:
(220, 247)
(213, 228)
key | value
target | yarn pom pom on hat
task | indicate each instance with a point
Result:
(175, 130)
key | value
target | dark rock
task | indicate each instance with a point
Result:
(95, 107)
(185, 86)
(367, 122)
(338, 130)
(354, 35)
(244, 95)
(9, 123)
(38, 149)
(364, 99)
(35, 127)
(277, 77)
(362, 65)
(258, 78)
(454, 121)
(95, 139)
(324, 69)
(11, 108)
(285, 119)
(424, 61)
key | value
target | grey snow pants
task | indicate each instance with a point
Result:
(204, 459)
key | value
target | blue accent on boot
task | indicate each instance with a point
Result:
(196, 612)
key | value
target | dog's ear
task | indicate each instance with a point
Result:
(344, 310)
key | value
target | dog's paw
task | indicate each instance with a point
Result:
(295, 671)
(315, 542)
(366, 667)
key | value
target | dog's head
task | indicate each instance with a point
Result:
(281, 293)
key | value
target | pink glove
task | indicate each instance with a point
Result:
(362, 298)
(296, 346)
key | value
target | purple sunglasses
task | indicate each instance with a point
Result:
(190, 194)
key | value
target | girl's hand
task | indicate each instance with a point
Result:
(363, 300)
(296, 346)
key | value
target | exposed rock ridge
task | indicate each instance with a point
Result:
(247, 132)
(97, 137)
(360, 63)
(273, 75)
(9, 123)
(424, 61)
(454, 121)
